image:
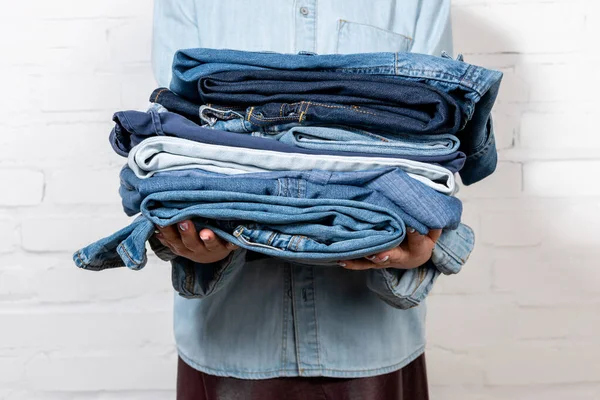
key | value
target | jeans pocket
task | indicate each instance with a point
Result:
(264, 237)
(355, 37)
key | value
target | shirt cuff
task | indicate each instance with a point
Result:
(453, 248)
(403, 288)
(194, 280)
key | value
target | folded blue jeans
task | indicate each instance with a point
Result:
(160, 154)
(314, 216)
(131, 127)
(475, 88)
(377, 102)
(344, 139)
(329, 138)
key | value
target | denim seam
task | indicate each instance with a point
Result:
(297, 242)
(452, 255)
(422, 275)
(126, 123)
(316, 319)
(409, 297)
(431, 74)
(156, 123)
(122, 246)
(302, 115)
(83, 263)
(271, 237)
(157, 96)
(470, 236)
(298, 189)
(249, 114)
(392, 367)
(351, 107)
(482, 151)
(381, 29)
(221, 271)
(290, 244)
(284, 307)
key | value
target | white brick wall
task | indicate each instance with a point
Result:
(520, 322)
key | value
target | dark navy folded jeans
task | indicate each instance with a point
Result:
(377, 102)
(131, 127)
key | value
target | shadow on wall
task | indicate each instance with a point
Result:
(531, 202)
(535, 218)
(527, 300)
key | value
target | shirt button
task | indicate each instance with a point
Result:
(304, 11)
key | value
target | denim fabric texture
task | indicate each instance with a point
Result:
(468, 84)
(131, 127)
(164, 155)
(328, 138)
(409, 287)
(344, 139)
(377, 102)
(320, 215)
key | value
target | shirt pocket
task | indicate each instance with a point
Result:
(354, 37)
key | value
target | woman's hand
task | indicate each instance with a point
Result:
(203, 247)
(412, 253)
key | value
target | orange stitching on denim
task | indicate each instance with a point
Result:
(270, 239)
(158, 94)
(83, 264)
(297, 243)
(354, 108)
(303, 113)
(300, 237)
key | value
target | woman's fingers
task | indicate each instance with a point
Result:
(189, 236)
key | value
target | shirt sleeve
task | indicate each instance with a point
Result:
(433, 30)
(407, 288)
(174, 28)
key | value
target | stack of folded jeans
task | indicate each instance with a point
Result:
(308, 158)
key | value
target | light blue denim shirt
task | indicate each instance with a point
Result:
(263, 318)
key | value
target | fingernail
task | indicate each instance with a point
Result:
(157, 231)
(371, 258)
(384, 259)
(411, 230)
(341, 264)
(183, 226)
(205, 238)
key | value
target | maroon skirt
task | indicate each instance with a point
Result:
(408, 383)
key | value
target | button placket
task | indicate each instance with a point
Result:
(306, 26)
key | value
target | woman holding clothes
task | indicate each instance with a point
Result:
(263, 328)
